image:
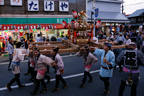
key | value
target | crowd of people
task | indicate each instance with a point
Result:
(129, 59)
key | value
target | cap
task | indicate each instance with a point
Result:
(109, 45)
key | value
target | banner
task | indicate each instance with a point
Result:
(33, 5)
(16, 2)
(1, 2)
(48, 5)
(63, 6)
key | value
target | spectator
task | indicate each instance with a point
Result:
(53, 38)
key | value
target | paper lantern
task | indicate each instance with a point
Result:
(64, 24)
(21, 34)
(98, 24)
(75, 15)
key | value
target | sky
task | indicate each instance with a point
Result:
(132, 5)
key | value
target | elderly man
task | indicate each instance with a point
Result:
(11, 51)
(131, 59)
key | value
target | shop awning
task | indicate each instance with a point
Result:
(114, 17)
(138, 24)
(30, 26)
(34, 19)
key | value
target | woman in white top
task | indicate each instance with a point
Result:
(18, 56)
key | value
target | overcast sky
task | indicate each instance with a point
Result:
(130, 5)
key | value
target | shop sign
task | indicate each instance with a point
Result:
(33, 5)
(60, 20)
(1, 2)
(48, 5)
(63, 6)
(16, 2)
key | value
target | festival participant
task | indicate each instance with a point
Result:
(107, 65)
(128, 40)
(111, 37)
(130, 59)
(15, 66)
(95, 40)
(89, 59)
(120, 39)
(59, 69)
(10, 50)
(142, 43)
(41, 62)
(32, 66)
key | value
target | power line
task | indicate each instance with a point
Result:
(134, 4)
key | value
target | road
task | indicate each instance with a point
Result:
(74, 69)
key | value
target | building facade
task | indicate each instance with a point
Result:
(137, 20)
(109, 13)
(30, 16)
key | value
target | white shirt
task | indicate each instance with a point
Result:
(128, 42)
(95, 39)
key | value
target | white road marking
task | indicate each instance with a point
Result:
(5, 63)
(66, 77)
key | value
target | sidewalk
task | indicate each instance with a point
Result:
(4, 58)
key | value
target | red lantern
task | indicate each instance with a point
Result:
(98, 24)
(21, 34)
(73, 23)
(78, 34)
(123, 26)
(64, 24)
(75, 15)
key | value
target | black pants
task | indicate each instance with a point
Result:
(16, 78)
(47, 77)
(33, 72)
(122, 88)
(85, 77)
(58, 79)
(29, 68)
(9, 63)
(106, 82)
(37, 84)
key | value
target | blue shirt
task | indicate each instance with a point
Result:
(10, 49)
(110, 57)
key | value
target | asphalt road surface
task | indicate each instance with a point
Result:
(74, 69)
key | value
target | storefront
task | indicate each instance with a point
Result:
(24, 27)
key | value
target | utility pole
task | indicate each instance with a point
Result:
(122, 7)
(93, 8)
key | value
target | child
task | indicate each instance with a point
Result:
(15, 66)
(41, 63)
(59, 69)
(88, 60)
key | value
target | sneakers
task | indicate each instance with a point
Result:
(91, 80)
(27, 73)
(81, 85)
(9, 88)
(32, 79)
(43, 90)
(65, 86)
(34, 93)
(55, 90)
(105, 92)
(21, 86)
